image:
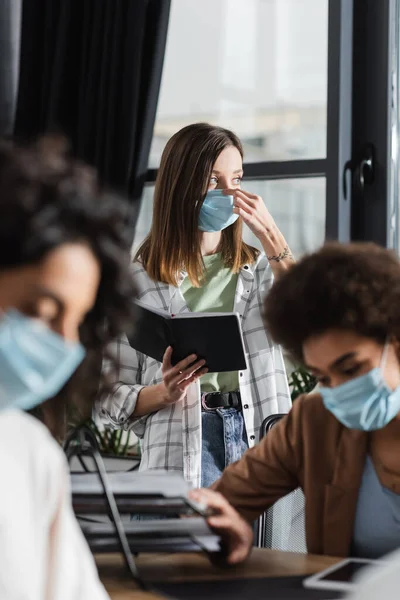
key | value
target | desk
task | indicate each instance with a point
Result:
(192, 567)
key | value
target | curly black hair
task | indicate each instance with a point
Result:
(352, 287)
(48, 199)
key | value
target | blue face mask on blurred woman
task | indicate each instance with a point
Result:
(35, 362)
(364, 403)
(216, 212)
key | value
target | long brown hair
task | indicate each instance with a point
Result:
(173, 243)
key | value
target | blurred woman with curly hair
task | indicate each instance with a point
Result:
(65, 292)
(338, 312)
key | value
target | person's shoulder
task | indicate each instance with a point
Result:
(25, 423)
(261, 261)
(137, 269)
(310, 412)
(262, 272)
(148, 290)
(36, 464)
(140, 277)
(310, 402)
(35, 438)
(261, 266)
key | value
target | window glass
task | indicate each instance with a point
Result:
(258, 67)
(298, 208)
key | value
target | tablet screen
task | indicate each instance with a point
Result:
(345, 573)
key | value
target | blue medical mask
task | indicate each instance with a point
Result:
(35, 362)
(364, 403)
(216, 212)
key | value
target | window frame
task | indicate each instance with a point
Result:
(374, 87)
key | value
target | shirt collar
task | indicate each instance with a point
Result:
(182, 276)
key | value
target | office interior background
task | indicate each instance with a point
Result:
(310, 86)
(260, 69)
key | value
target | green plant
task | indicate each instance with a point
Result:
(113, 441)
(301, 382)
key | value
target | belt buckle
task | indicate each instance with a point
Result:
(204, 405)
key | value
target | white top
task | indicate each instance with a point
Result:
(43, 554)
(171, 437)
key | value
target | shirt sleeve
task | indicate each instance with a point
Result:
(124, 374)
(266, 472)
(266, 276)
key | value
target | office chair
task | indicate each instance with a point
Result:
(282, 526)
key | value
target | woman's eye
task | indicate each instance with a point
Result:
(48, 320)
(47, 310)
(33, 313)
(324, 381)
(213, 181)
(351, 370)
(237, 180)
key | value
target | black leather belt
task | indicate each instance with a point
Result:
(215, 400)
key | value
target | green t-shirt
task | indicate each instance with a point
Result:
(217, 294)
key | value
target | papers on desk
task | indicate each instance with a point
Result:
(138, 483)
(161, 535)
(145, 493)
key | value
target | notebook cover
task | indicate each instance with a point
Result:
(217, 337)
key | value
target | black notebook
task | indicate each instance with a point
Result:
(216, 337)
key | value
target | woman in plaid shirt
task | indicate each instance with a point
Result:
(194, 259)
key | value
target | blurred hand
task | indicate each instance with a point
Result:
(176, 379)
(234, 531)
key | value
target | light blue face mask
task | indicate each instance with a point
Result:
(35, 362)
(216, 212)
(364, 403)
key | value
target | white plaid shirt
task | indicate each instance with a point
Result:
(171, 437)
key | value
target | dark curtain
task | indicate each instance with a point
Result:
(10, 25)
(91, 69)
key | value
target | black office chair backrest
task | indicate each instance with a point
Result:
(282, 527)
(269, 422)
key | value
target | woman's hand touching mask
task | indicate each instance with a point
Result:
(255, 214)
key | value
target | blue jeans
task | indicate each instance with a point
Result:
(224, 441)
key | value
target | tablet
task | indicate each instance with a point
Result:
(340, 577)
